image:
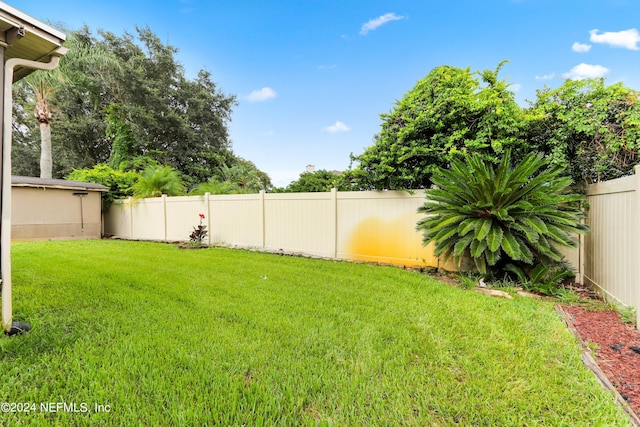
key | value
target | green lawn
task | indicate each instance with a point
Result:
(161, 336)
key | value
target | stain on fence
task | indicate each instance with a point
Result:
(393, 242)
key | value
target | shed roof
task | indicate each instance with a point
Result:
(29, 181)
(27, 38)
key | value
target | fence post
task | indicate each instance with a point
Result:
(130, 203)
(636, 289)
(262, 220)
(207, 198)
(164, 216)
(334, 223)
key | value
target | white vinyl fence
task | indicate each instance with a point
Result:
(611, 250)
(377, 226)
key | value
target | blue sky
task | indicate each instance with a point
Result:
(312, 77)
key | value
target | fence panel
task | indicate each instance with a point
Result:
(182, 214)
(117, 220)
(377, 226)
(381, 227)
(300, 222)
(237, 219)
(611, 246)
(148, 218)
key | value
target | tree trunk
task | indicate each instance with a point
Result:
(43, 114)
(46, 164)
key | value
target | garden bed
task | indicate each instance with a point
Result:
(615, 346)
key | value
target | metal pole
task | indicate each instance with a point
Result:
(81, 195)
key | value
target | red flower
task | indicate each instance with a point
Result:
(201, 216)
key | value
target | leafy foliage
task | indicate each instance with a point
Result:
(500, 215)
(241, 178)
(120, 183)
(311, 182)
(544, 279)
(447, 113)
(122, 139)
(155, 181)
(242, 175)
(213, 186)
(588, 128)
(159, 112)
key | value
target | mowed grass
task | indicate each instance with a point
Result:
(166, 337)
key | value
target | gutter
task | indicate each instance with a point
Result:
(5, 220)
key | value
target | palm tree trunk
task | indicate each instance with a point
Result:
(43, 114)
(46, 164)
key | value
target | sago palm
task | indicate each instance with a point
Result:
(501, 215)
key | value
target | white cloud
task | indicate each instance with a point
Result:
(327, 67)
(337, 127)
(261, 94)
(586, 71)
(627, 39)
(515, 87)
(379, 21)
(546, 76)
(580, 47)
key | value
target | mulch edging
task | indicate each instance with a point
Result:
(589, 361)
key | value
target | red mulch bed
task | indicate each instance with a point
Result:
(617, 352)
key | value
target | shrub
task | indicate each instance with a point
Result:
(500, 215)
(213, 186)
(120, 183)
(158, 180)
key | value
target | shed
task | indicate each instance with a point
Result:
(55, 209)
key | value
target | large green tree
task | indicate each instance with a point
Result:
(81, 61)
(147, 107)
(449, 112)
(178, 121)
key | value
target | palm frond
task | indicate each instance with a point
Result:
(501, 214)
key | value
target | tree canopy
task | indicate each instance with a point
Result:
(590, 130)
(313, 182)
(449, 112)
(145, 107)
